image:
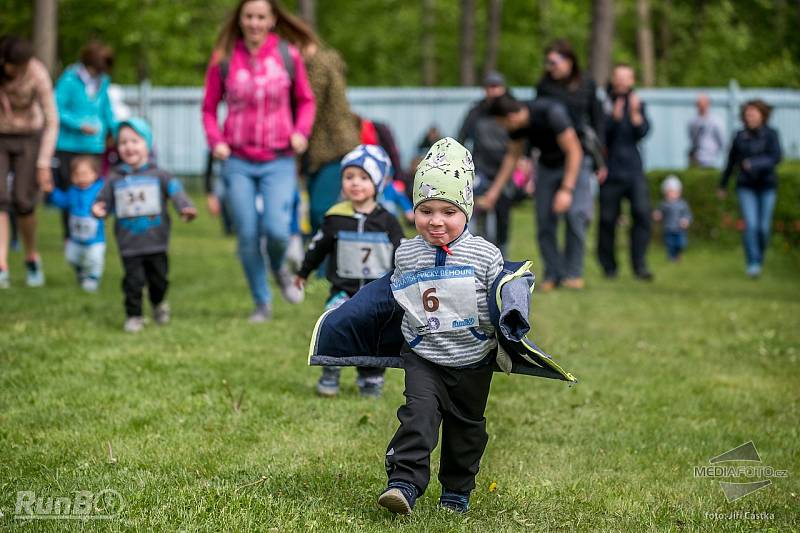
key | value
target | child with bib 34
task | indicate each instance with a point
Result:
(447, 360)
(137, 192)
(358, 238)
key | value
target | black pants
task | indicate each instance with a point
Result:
(141, 270)
(612, 191)
(454, 398)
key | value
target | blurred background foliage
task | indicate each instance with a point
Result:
(697, 43)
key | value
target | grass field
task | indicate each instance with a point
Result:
(671, 374)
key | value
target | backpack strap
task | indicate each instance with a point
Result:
(224, 67)
(288, 62)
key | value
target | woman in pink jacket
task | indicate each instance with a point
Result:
(271, 110)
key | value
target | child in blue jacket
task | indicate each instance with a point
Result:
(86, 246)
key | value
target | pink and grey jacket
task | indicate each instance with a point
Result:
(260, 120)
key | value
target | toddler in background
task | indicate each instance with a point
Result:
(674, 214)
(86, 246)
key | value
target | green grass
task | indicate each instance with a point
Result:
(671, 374)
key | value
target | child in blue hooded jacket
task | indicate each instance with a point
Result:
(86, 247)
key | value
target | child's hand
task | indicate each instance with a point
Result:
(299, 282)
(188, 214)
(684, 223)
(657, 216)
(99, 210)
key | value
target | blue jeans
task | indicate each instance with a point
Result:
(276, 182)
(757, 207)
(675, 242)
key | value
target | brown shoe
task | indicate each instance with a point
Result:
(576, 284)
(547, 285)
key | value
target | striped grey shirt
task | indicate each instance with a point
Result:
(460, 347)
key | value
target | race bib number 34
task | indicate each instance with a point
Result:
(439, 299)
(366, 255)
(137, 200)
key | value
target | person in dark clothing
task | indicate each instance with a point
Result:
(488, 142)
(625, 127)
(755, 152)
(545, 124)
(563, 81)
(358, 238)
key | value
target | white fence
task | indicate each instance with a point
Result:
(180, 142)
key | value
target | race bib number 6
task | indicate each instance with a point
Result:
(438, 299)
(137, 200)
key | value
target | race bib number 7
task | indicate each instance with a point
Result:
(438, 299)
(366, 255)
(137, 200)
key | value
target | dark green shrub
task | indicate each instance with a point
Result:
(717, 219)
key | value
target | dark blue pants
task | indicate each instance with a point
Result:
(675, 242)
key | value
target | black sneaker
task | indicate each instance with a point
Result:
(399, 497)
(328, 384)
(371, 387)
(454, 500)
(644, 275)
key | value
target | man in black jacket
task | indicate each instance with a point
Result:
(488, 142)
(626, 125)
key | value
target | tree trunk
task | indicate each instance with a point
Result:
(428, 43)
(308, 11)
(601, 40)
(467, 45)
(45, 32)
(493, 35)
(665, 38)
(544, 22)
(644, 41)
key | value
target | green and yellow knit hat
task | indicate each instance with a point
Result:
(446, 173)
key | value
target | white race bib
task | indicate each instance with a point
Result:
(82, 228)
(439, 299)
(365, 255)
(137, 199)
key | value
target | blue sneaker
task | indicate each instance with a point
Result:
(34, 274)
(454, 501)
(753, 271)
(5, 280)
(399, 497)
